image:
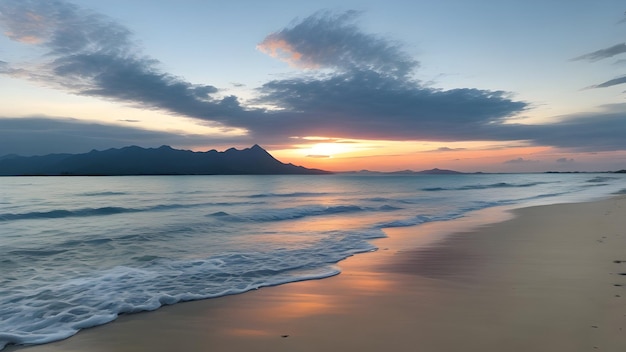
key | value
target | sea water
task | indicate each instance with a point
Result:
(76, 252)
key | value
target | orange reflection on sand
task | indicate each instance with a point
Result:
(248, 332)
(302, 304)
(269, 311)
(368, 283)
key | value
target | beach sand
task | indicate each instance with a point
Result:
(549, 278)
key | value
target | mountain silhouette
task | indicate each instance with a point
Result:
(164, 160)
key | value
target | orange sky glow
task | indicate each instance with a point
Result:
(482, 156)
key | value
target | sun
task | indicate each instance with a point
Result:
(327, 150)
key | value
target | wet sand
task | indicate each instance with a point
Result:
(549, 278)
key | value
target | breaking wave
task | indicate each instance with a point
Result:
(487, 186)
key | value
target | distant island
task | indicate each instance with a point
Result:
(134, 160)
(434, 171)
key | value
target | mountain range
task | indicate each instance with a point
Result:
(164, 160)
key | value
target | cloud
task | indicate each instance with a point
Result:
(5, 68)
(594, 131)
(40, 135)
(564, 160)
(611, 82)
(90, 54)
(520, 161)
(370, 105)
(63, 28)
(620, 62)
(332, 40)
(448, 149)
(317, 156)
(603, 53)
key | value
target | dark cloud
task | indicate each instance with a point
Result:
(520, 161)
(594, 131)
(603, 53)
(44, 135)
(448, 149)
(139, 82)
(599, 131)
(332, 40)
(5, 68)
(611, 82)
(591, 132)
(367, 104)
(63, 27)
(564, 160)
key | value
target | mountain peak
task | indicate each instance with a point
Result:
(258, 150)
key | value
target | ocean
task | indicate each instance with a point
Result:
(77, 252)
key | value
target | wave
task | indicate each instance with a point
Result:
(64, 308)
(452, 215)
(289, 213)
(377, 199)
(461, 212)
(36, 252)
(288, 195)
(387, 207)
(297, 213)
(595, 185)
(103, 211)
(492, 185)
(621, 191)
(98, 194)
(220, 213)
(63, 213)
(600, 179)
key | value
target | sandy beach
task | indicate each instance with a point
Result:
(547, 278)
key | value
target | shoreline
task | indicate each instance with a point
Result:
(547, 278)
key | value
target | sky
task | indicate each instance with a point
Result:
(482, 85)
